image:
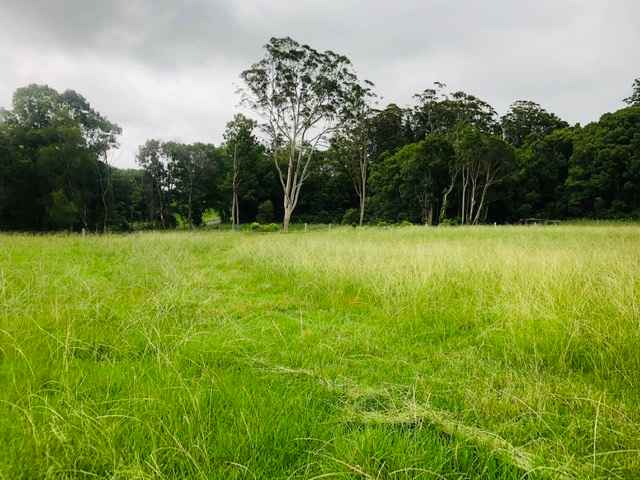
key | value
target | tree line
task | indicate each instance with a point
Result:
(321, 149)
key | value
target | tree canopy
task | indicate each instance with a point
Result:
(447, 158)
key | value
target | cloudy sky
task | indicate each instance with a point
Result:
(169, 69)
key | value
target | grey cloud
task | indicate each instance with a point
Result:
(167, 69)
(162, 34)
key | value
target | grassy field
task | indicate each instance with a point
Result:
(489, 352)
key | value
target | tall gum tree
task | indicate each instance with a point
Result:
(301, 94)
(353, 143)
(239, 141)
(484, 160)
(634, 99)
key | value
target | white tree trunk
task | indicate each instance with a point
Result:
(287, 217)
(235, 207)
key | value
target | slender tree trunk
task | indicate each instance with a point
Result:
(445, 197)
(235, 207)
(363, 185)
(287, 217)
(236, 203)
(488, 182)
(464, 193)
(192, 174)
(363, 191)
(296, 175)
(472, 200)
(106, 211)
(443, 208)
(189, 209)
(161, 206)
(85, 215)
(104, 181)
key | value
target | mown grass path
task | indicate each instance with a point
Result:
(380, 353)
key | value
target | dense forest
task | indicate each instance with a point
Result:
(321, 149)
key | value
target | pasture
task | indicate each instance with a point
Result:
(406, 352)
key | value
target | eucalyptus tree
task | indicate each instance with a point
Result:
(56, 144)
(603, 179)
(100, 136)
(412, 184)
(300, 94)
(437, 111)
(240, 142)
(634, 99)
(152, 158)
(354, 144)
(429, 114)
(527, 121)
(186, 165)
(483, 160)
(389, 130)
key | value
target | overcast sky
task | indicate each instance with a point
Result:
(169, 69)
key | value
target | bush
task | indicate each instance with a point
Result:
(258, 227)
(265, 212)
(351, 217)
(405, 223)
(450, 222)
(62, 213)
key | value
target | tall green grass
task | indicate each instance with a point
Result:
(488, 352)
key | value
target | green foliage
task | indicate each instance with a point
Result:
(539, 185)
(388, 132)
(210, 217)
(272, 227)
(258, 227)
(634, 99)
(302, 94)
(265, 212)
(62, 212)
(438, 112)
(450, 222)
(53, 171)
(418, 183)
(446, 157)
(194, 172)
(180, 179)
(603, 180)
(247, 166)
(527, 121)
(351, 217)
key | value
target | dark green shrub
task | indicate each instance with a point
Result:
(450, 222)
(265, 212)
(351, 217)
(258, 227)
